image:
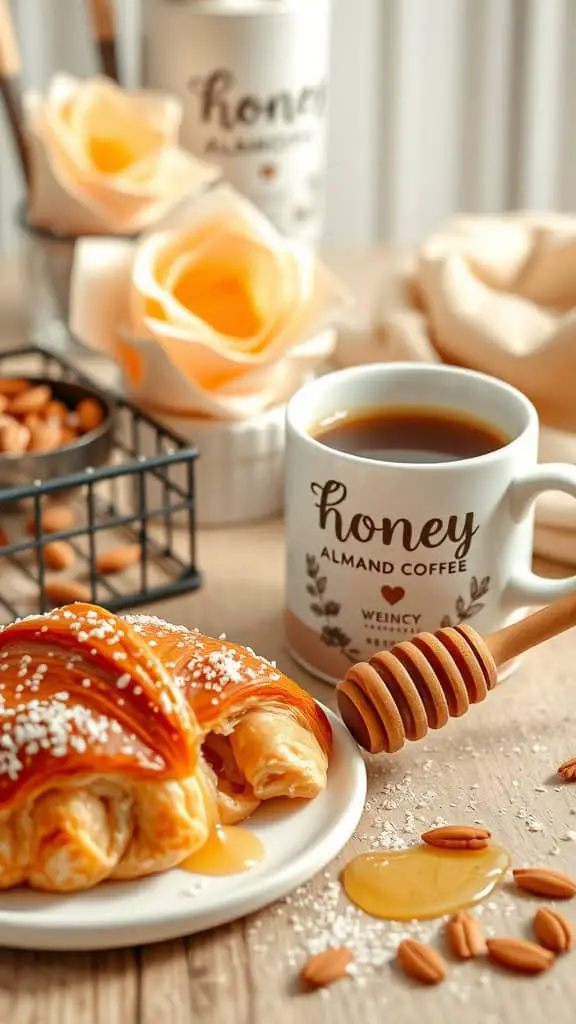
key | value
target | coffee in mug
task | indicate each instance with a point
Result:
(408, 434)
(410, 495)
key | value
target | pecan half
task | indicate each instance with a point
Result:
(457, 837)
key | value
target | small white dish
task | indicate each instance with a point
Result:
(299, 842)
(239, 477)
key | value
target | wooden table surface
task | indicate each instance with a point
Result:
(496, 766)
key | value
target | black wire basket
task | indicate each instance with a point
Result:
(142, 499)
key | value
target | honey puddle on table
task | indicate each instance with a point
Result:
(229, 850)
(423, 881)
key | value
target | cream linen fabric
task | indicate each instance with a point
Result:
(496, 295)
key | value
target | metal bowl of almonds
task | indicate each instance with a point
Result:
(51, 428)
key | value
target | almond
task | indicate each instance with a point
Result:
(44, 437)
(4, 539)
(117, 559)
(55, 519)
(31, 400)
(68, 434)
(66, 591)
(421, 962)
(90, 414)
(58, 555)
(56, 411)
(465, 936)
(4, 403)
(326, 967)
(553, 930)
(31, 420)
(12, 386)
(568, 770)
(457, 837)
(519, 955)
(14, 437)
(545, 882)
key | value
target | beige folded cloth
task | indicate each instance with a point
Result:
(496, 294)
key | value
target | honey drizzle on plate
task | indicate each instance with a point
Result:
(423, 881)
(229, 850)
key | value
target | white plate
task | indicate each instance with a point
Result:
(299, 842)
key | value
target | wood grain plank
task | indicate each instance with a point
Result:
(165, 984)
(116, 975)
(64, 988)
(220, 988)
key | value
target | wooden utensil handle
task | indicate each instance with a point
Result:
(9, 85)
(102, 18)
(104, 33)
(9, 51)
(513, 640)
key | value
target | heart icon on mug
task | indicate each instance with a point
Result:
(392, 594)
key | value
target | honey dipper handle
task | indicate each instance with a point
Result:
(513, 640)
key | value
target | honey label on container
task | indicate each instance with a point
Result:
(367, 581)
(253, 84)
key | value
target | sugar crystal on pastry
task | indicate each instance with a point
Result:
(117, 771)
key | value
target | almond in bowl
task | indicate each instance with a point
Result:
(51, 428)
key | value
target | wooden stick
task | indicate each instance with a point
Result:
(9, 86)
(513, 640)
(104, 34)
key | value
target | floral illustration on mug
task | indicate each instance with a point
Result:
(464, 610)
(327, 609)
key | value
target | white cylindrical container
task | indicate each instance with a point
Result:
(239, 476)
(252, 76)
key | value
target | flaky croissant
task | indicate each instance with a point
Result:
(124, 741)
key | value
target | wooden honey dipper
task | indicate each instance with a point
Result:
(420, 683)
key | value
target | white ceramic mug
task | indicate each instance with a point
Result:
(378, 551)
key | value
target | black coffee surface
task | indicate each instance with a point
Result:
(409, 434)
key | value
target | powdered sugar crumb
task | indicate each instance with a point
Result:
(529, 820)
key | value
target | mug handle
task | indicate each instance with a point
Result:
(527, 588)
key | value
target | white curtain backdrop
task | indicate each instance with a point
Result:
(436, 106)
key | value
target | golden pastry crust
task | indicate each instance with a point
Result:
(278, 755)
(73, 837)
(124, 741)
(81, 693)
(279, 739)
